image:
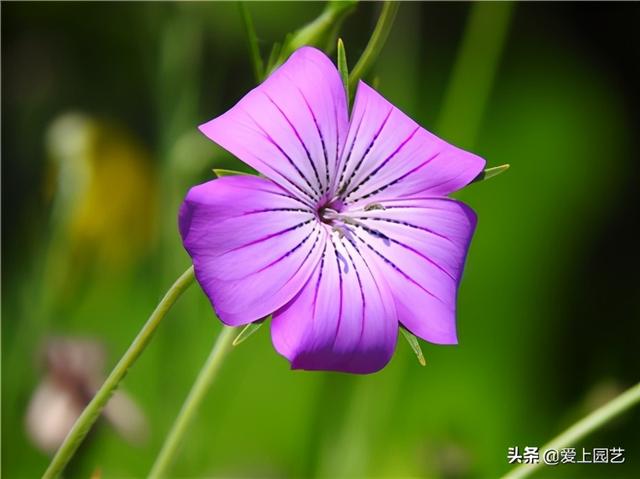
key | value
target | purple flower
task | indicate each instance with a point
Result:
(348, 235)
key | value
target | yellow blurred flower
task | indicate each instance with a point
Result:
(104, 192)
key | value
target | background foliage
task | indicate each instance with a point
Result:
(549, 322)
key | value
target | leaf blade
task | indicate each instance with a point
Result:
(342, 67)
(491, 172)
(219, 172)
(415, 346)
(247, 331)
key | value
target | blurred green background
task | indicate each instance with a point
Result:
(100, 103)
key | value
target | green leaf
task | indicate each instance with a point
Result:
(222, 172)
(342, 67)
(491, 172)
(247, 331)
(413, 342)
(252, 41)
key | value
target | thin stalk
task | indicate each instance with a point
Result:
(320, 33)
(376, 42)
(99, 401)
(252, 41)
(192, 403)
(584, 427)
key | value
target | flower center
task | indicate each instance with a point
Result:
(329, 212)
(333, 215)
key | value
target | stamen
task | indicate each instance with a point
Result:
(342, 223)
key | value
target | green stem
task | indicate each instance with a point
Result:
(99, 401)
(191, 404)
(584, 427)
(252, 41)
(376, 42)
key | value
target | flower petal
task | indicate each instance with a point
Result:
(420, 245)
(253, 245)
(388, 155)
(343, 319)
(292, 127)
